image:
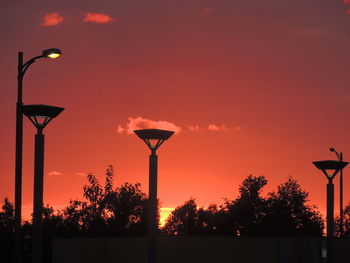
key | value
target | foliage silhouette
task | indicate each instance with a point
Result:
(107, 210)
(6, 228)
(120, 211)
(6, 217)
(246, 211)
(281, 213)
(183, 220)
(190, 220)
(287, 213)
(346, 223)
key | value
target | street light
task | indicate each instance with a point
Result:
(330, 169)
(154, 138)
(21, 70)
(40, 116)
(340, 159)
(52, 53)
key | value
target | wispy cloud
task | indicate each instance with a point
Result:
(55, 173)
(98, 18)
(194, 127)
(52, 19)
(213, 128)
(208, 10)
(223, 127)
(143, 123)
(80, 174)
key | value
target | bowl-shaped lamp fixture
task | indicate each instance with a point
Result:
(41, 115)
(330, 167)
(52, 53)
(153, 137)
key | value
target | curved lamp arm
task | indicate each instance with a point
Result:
(339, 156)
(23, 68)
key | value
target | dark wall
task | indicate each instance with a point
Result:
(195, 250)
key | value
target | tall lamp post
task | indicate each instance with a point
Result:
(154, 138)
(340, 159)
(21, 70)
(40, 116)
(330, 169)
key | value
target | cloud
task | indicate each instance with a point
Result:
(52, 19)
(194, 127)
(120, 129)
(208, 10)
(55, 173)
(144, 123)
(213, 128)
(98, 18)
(80, 174)
(346, 1)
(223, 127)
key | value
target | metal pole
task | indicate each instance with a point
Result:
(152, 206)
(341, 197)
(18, 163)
(38, 198)
(330, 220)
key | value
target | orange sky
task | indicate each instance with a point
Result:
(256, 87)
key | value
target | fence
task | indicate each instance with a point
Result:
(196, 249)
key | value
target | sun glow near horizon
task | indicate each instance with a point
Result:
(164, 213)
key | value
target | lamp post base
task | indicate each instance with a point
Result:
(330, 220)
(37, 238)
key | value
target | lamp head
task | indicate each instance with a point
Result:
(52, 53)
(154, 138)
(330, 167)
(41, 115)
(332, 149)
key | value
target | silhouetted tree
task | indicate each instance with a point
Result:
(287, 213)
(281, 213)
(6, 228)
(72, 216)
(183, 220)
(93, 211)
(126, 207)
(208, 220)
(189, 220)
(123, 211)
(107, 210)
(53, 221)
(7, 216)
(346, 223)
(245, 213)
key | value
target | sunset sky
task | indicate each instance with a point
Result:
(250, 87)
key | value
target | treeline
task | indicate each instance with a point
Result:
(121, 211)
(282, 213)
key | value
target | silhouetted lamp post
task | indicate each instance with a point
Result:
(40, 116)
(340, 159)
(154, 138)
(21, 70)
(330, 169)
